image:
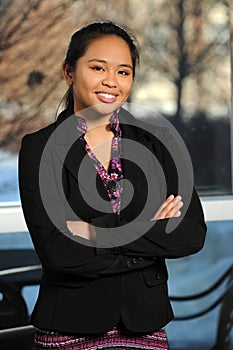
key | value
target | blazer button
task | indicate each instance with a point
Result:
(134, 261)
(116, 250)
(158, 276)
(128, 264)
(140, 259)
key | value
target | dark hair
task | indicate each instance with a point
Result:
(83, 37)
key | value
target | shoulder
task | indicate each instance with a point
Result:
(41, 134)
(33, 145)
(40, 137)
(143, 128)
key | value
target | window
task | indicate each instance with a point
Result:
(185, 75)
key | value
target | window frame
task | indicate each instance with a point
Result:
(216, 208)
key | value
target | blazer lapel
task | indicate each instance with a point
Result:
(138, 147)
(71, 153)
(67, 146)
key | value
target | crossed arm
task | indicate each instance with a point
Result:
(169, 209)
(64, 259)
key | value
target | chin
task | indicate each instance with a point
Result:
(101, 110)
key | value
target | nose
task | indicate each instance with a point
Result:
(109, 80)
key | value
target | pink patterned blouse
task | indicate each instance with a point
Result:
(111, 178)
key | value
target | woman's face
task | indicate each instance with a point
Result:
(103, 76)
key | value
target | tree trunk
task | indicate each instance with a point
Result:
(230, 16)
(181, 57)
(179, 86)
(229, 8)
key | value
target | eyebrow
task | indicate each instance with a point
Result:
(105, 62)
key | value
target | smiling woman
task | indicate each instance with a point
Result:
(103, 75)
(94, 296)
(102, 78)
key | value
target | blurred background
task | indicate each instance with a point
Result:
(186, 74)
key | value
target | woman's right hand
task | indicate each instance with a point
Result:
(170, 208)
(81, 229)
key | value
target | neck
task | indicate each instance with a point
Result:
(94, 119)
(97, 115)
(100, 122)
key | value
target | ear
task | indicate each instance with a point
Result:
(67, 73)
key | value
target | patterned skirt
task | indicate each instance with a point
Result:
(113, 339)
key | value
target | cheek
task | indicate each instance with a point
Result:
(90, 80)
(84, 80)
(127, 86)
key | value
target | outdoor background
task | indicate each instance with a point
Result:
(185, 74)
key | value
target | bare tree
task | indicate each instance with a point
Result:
(229, 10)
(176, 42)
(33, 40)
(11, 21)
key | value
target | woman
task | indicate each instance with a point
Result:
(104, 283)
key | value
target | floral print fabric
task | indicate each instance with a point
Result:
(111, 178)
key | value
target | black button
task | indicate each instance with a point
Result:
(116, 250)
(140, 259)
(128, 264)
(158, 276)
(134, 261)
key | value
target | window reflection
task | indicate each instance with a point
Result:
(185, 75)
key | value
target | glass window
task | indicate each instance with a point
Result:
(185, 74)
(193, 275)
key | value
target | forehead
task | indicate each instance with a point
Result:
(109, 48)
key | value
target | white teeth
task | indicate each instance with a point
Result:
(106, 95)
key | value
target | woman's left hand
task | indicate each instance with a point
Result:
(169, 209)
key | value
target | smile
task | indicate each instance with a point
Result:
(106, 97)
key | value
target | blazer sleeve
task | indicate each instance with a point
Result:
(189, 231)
(187, 238)
(62, 258)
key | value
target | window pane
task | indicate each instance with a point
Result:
(194, 274)
(209, 145)
(184, 74)
(8, 177)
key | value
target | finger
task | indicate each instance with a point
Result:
(169, 209)
(163, 206)
(175, 211)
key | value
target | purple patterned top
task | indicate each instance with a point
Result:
(111, 178)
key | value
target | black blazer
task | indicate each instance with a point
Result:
(87, 289)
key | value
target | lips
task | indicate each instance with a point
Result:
(106, 97)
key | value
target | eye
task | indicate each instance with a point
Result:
(123, 72)
(98, 68)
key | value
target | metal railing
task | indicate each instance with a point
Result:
(228, 274)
